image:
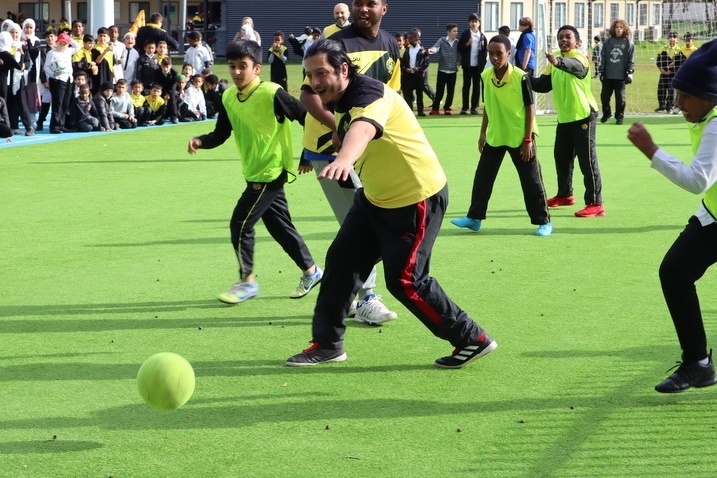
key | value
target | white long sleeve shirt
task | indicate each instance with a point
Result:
(195, 100)
(57, 61)
(696, 177)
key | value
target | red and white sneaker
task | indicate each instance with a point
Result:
(557, 201)
(591, 210)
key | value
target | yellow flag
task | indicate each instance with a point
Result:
(138, 22)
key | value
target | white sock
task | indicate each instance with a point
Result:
(704, 361)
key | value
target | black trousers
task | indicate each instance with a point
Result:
(471, 86)
(142, 114)
(446, 82)
(685, 262)
(266, 201)
(403, 238)
(665, 93)
(412, 87)
(578, 139)
(17, 108)
(531, 181)
(608, 88)
(5, 131)
(61, 92)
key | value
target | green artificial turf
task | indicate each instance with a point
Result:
(115, 246)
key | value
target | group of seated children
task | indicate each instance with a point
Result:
(171, 97)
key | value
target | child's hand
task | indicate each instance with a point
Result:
(194, 144)
(641, 138)
(305, 169)
(526, 151)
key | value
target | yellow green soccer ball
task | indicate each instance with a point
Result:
(165, 381)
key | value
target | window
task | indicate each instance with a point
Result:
(614, 11)
(598, 15)
(656, 14)
(630, 14)
(32, 11)
(579, 15)
(135, 7)
(561, 17)
(81, 13)
(516, 13)
(490, 18)
(642, 11)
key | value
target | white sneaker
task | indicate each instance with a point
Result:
(239, 292)
(306, 283)
(352, 308)
(372, 311)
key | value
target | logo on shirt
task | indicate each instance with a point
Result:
(390, 64)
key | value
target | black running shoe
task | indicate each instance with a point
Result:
(689, 374)
(469, 353)
(315, 355)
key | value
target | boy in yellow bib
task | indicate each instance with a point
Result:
(568, 77)
(508, 126)
(258, 113)
(693, 252)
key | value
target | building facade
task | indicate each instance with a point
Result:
(649, 19)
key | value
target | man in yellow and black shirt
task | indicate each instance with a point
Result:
(395, 217)
(376, 54)
(341, 15)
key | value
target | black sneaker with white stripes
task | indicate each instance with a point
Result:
(483, 346)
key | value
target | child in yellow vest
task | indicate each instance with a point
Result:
(508, 126)
(694, 250)
(259, 114)
(568, 77)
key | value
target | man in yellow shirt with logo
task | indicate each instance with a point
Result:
(395, 217)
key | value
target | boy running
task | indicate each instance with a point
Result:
(257, 113)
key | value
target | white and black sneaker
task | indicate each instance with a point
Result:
(483, 346)
(371, 311)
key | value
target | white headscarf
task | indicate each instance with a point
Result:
(6, 25)
(18, 75)
(32, 37)
(15, 26)
(5, 41)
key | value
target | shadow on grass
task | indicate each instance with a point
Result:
(295, 218)
(245, 411)
(24, 326)
(559, 230)
(52, 371)
(47, 446)
(311, 236)
(102, 308)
